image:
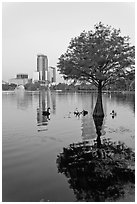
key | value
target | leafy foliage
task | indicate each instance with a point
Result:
(99, 55)
(34, 87)
(8, 87)
(97, 174)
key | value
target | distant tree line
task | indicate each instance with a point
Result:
(8, 87)
(127, 84)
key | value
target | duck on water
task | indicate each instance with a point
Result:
(77, 113)
(46, 112)
(113, 113)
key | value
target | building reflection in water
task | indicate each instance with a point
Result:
(53, 102)
(23, 100)
(46, 100)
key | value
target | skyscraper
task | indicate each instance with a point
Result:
(51, 75)
(44, 74)
(42, 67)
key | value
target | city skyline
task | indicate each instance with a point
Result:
(32, 28)
(44, 74)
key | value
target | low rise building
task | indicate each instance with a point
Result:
(21, 79)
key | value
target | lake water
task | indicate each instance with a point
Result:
(31, 143)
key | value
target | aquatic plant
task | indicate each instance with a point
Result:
(97, 174)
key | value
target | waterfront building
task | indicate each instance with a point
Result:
(35, 76)
(21, 79)
(22, 76)
(52, 75)
(42, 67)
(44, 74)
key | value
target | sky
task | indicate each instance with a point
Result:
(31, 28)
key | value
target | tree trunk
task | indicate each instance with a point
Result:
(98, 110)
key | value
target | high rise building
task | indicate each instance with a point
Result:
(42, 67)
(51, 75)
(44, 74)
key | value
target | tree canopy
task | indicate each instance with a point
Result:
(98, 56)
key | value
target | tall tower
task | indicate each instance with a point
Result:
(42, 67)
(51, 74)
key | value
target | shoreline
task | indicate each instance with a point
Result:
(84, 91)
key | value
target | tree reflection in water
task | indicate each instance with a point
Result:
(97, 170)
(98, 124)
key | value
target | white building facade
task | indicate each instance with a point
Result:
(21, 79)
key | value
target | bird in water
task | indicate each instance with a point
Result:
(84, 112)
(47, 112)
(113, 113)
(76, 112)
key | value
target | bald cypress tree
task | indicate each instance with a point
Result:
(100, 56)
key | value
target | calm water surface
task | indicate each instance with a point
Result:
(31, 143)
